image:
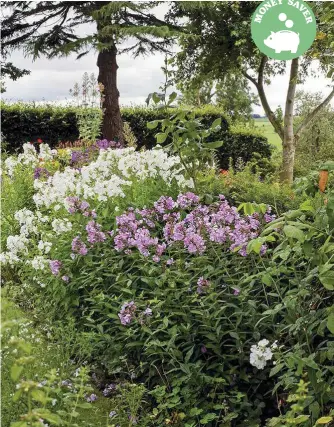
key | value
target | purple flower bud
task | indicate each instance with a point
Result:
(55, 266)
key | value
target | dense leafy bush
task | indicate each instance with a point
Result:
(242, 144)
(316, 144)
(24, 122)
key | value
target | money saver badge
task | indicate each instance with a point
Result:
(283, 29)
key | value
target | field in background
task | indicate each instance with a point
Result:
(264, 125)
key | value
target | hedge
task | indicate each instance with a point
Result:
(23, 122)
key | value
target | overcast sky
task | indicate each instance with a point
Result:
(51, 80)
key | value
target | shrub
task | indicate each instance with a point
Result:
(23, 122)
(249, 185)
(242, 144)
(28, 122)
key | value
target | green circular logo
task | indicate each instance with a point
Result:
(283, 29)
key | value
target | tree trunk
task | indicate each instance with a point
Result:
(112, 126)
(289, 143)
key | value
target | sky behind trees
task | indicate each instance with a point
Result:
(51, 80)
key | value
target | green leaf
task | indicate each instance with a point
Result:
(208, 417)
(172, 97)
(53, 418)
(19, 424)
(216, 123)
(152, 125)
(326, 276)
(84, 405)
(276, 369)
(324, 420)
(213, 145)
(161, 137)
(38, 395)
(294, 232)
(330, 323)
(15, 372)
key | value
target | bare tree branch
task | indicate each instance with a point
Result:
(313, 113)
(249, 77)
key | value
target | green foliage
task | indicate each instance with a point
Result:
(186, 137)
(241, 143)
(316, 144)
(16, 193)
(251, 184)
(23, 122)
(32, 373)
(89, 122)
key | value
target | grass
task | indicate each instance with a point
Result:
(266, 127)
(46, 354)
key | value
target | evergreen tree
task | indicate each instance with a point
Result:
(50, 28)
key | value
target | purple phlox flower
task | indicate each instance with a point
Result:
(109, 389)
(91, 398)
(75, 205)
(160, 249)
(55, 266)
(263, 249)
(95, 235)
(104, 144)
(218, 223)
(204, 349)
(194, 243)
(170, 261)
(65, 278)
(236, 291)
(202, 285)
(127, 312)
(41, 172)
(187, 199)
(78, 246)
(156, 258)
(112, 414)
(164, 204)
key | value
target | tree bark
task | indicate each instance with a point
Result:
(287, 135)
(112, 126)
(289, 143)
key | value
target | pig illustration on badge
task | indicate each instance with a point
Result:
(283, 41)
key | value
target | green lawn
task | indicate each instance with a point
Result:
(266, 127)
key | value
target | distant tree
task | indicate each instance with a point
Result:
(218, 41)
(197, 92)
(50, 28)
(232, 93)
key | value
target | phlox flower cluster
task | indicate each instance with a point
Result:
(94, 233)
(107, 175)
(74, 204)
(29, 157)
(151, 231)
(261, 353)
(61, 226)
(78, 246)
(202, 285)
(128, 313)
(17, 245)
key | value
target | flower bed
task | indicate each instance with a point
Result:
(213, 309)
